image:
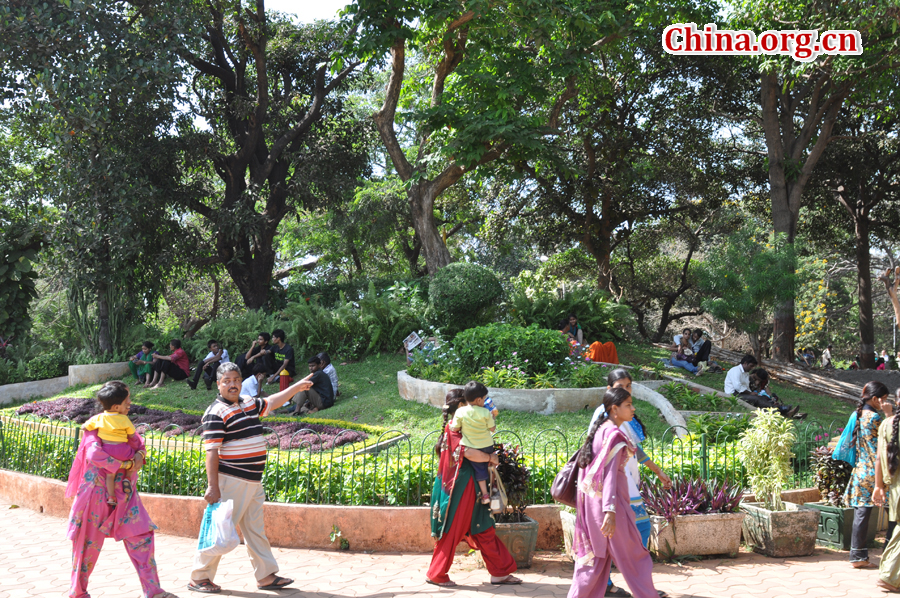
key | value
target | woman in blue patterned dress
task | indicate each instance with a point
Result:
(862, 482)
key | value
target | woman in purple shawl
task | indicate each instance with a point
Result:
(602, 497)
(92, 520)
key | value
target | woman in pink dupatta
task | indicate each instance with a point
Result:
(605, 529)
(92, 520)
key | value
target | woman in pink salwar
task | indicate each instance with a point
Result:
(603, 496)
(92, 520)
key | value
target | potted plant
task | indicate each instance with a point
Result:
(835, 518)
(515, 529)
(772, 526)
(694, 517)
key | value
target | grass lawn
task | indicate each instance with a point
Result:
(369, 396)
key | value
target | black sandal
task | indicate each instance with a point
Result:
(278, 583)
(204, 587)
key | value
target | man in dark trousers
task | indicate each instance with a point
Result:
(320, 396)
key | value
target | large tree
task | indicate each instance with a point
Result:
(277, 136)
(800, 101)
(465, 78)
(859, 177)
(635, 144)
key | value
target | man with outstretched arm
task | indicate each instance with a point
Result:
(235, 462)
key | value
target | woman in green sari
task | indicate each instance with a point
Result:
(455, 515)
(887, 491)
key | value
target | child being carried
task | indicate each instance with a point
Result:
(476, 424)
(114, 428)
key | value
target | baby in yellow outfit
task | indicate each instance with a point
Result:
(114, 429)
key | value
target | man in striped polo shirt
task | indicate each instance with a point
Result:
(235, 461)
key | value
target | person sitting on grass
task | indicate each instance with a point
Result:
(329, 369)
(763, 399)
(320, 396)
(682, 351)
(217, 355)
(142, 364)
(476, 424)
(285, 364)
(252, 385)
(259, 351)
(176, 365)
(574, 329)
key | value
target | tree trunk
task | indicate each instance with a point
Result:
(434, 250)
(785, 324)
(864, 281)
(252, 275)
(104, 339)
(755, 345)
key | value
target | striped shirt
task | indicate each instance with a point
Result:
(234, 429)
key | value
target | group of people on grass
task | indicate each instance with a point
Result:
(690, 351)
(269, 359)
(597, 351)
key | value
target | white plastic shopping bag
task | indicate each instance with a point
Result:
(218, 535)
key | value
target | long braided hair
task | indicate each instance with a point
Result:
(612, 398)
(870, 391)
(893, 449)
(622, 374)
(452, 402)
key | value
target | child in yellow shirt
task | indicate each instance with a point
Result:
(114, 428)
(476, 424)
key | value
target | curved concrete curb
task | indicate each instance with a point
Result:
(78, 374)
(30, 390)
(543, 401)
(379, 529)
(673, 417)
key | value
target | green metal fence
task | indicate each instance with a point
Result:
(400, 474)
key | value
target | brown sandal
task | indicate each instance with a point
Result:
(887, 587)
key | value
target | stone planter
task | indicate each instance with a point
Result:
(715, 533)
(568, 528)
(836, 525)
(520, 539)
(791, 532)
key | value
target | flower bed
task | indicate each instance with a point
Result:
(314, 438)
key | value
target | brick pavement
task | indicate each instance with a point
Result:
(35, 557)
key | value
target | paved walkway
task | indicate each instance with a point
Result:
(35, 561)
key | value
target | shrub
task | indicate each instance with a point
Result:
(532, 349)
(48, 365)
(690, 496)
(718, 429)
(766, 450)
(531, 302)
(462, 295)
(831, 475)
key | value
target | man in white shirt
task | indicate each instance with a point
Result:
(216, 356)
(826, 358)
(737, 381)
(252, 386)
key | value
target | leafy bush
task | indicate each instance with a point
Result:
(48, 365)
(331, 294)
(12, 372)
(718, 428)
(515, 475)
(766, 451)
(462, 295)
(533, 349)
(831, 476)
(532, 302)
